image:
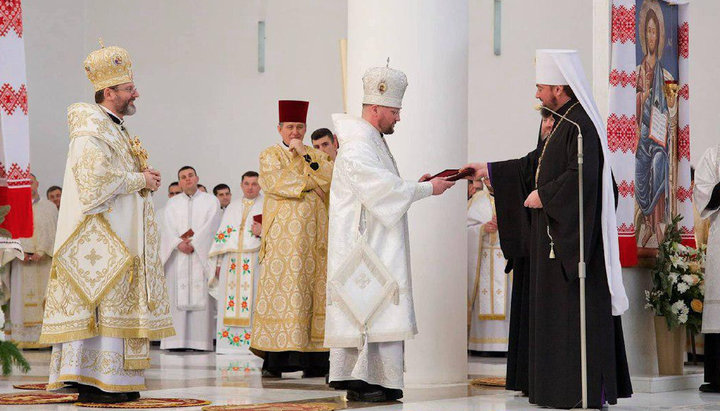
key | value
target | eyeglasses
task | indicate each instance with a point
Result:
(131, 90)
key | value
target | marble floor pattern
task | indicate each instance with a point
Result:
(226, 379)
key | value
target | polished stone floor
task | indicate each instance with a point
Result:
(236, 380)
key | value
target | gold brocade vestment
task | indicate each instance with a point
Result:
(290, 308)
(106, 279)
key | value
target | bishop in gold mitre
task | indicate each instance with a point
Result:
(106, 297)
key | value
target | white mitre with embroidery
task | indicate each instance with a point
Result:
(384, 86)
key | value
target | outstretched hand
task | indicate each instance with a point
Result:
(481, 170)
(440, 184)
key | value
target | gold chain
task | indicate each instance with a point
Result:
(547, 140)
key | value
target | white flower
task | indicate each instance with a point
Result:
(682, 287)
(678, 306)
(683, 318)
(688, 279)
(673, 277)
(678, 261)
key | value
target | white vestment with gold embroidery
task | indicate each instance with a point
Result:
(106, 284)
(488, 285)
(28, 280)
(707, 176)
(187, 274)
(235, 251)
(369, 305)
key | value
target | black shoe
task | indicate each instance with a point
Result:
(314, 373)
(90, 394)
(271, 374)
(392, 394)
(133, 396)
(105, 398)
(373, 395)
(353, 395)
(338, 385)
(709, 388)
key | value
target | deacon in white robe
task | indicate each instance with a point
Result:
(189, 223)
(234, 254)
(488, 285)
(369, 295)
(706, 196)
(29, 277)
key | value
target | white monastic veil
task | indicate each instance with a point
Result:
(568, 61)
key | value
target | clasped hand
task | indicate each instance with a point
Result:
(185, 247)
(152, 179)
(297, 146)
(533, 200)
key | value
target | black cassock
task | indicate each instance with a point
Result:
(553, 298)
(514, 230)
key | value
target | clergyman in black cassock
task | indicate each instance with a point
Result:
(514, 230)
(554, 367)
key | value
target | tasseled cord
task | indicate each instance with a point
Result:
(552, 245)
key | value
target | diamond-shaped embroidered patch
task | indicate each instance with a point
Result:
(92, 258)
(362, 283)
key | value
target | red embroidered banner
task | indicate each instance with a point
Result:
(15, 188)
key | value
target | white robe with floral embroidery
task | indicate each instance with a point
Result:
(28, 280)
(235, 253)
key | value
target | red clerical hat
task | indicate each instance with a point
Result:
(293, 111)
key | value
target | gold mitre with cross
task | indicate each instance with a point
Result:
(108, 66)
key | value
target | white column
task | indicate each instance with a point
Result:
(428, 40)
(601, 55)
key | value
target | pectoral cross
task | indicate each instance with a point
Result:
(140, 153)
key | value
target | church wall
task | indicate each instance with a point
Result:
(502, 121)
(704, 85)
(202, 100)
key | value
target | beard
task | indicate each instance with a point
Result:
(127, 109)
(388, 128)
(552, 103)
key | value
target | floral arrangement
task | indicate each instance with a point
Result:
(678, 284)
